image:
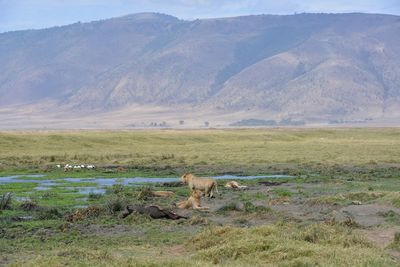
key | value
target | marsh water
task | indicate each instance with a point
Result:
(98, 185)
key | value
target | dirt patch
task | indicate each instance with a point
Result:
(268, 183)
(365, 215)
(304, 212)
(175, 250)
(380, 237)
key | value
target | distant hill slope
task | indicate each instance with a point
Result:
(305, 66)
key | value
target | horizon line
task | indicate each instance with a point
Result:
(194, 19)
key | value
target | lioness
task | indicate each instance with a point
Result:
(162, 193)
(193, 202)
(208, 185)
(235, 185)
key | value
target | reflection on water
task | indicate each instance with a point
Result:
(41, 188)
(43, 185)
(87, 190)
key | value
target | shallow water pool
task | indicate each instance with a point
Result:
(102, 183)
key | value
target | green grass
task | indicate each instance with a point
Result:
(282, 192)
(287, 245)
(204, 150)
(335, 166)
(282, 244)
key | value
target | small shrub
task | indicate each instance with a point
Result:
(313, 235)
(397, 238)
(48, 214)
(349, 221)
(282, 192)
(75, 216)
(28, 205)
(94, 196)
(5, 201)
(116, 189)
(145, 193)
(82, 214)
(251, 208)
(115, 205)
(229, 207)
(93, 211)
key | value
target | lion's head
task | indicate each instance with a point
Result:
(185, 178)
(196, 194)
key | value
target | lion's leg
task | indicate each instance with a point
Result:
(207, 192)
(200, 208)
(211, 192)
(182, 204)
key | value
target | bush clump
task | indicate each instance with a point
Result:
(115, 205)
(5, 201)
(116, 189)
(48, 214)
(94, 196)
(397, 238)
(82, 214)
(230, 207)
(28, 205)
(251, 208)
(145, 193)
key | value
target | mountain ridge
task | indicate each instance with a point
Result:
(312, 67)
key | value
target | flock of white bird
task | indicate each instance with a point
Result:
(68, 167)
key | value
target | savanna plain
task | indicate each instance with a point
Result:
(317, 197)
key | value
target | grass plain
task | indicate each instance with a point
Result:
(243, 150)
(341, 208)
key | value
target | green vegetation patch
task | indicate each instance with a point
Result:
(169, 152)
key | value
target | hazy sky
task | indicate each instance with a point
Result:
(27, 14)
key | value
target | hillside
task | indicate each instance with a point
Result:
(133, 69)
